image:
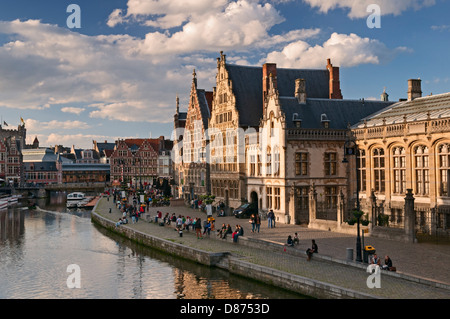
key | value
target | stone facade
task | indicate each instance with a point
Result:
(407, 146)
(193, 166)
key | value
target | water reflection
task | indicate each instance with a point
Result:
(37, 246)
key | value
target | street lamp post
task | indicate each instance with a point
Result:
(351, 148)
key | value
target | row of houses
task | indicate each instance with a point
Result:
(132, 161)
(278, 138)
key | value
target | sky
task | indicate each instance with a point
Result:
(113, 68)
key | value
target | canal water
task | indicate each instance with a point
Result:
(37, 247)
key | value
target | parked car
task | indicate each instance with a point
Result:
(245, 210)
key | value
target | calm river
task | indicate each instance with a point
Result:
(36, 247)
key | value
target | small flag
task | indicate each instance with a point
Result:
(5, 124)
(21, 120)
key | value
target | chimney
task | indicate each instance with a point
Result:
(335, 84)
(300, 90)
(414, 89)
(269, 69)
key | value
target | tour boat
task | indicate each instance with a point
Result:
(3, 203)
(76, 196)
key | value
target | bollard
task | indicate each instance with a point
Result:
(349, 254)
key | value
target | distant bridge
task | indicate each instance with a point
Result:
(44, 190)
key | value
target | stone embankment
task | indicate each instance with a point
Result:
(268, 262)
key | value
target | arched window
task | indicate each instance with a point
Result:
(362, 170)
(268, 161)
(379, 170)
(276, 158)
(421, 166)
(399, 169)
(444, 168)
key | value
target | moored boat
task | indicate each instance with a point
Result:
(3, 203)
(76, 196)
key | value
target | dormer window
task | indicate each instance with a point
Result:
(297, 121)
(325, 121)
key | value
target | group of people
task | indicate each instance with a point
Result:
(292, 241)
(226, 230)
(255, 220)
(183, 223)
(375, 260)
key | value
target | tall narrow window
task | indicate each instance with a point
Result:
(362, 170)
(421, 161)
(277, 198)
(301, 163)
(302, 197)
(276, 166)
(399, 170)
(444, 168)
(330, 164)
(259, 163)
(269, 197)
(269, 162)
(330, 197)
(379, 170)
(252, 165)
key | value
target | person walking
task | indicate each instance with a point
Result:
(257, 222)
(270, 219)
(198, 228)
(253, 222)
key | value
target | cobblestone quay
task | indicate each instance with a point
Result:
(262, 256)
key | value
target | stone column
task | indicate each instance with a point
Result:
(340, 209)
(312, 203)
(373, 205)
(292, 205)
(410, 217)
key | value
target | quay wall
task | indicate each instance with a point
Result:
(234, 265)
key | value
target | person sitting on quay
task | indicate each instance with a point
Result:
(296, 239)
(119, 222)
(187, 223)
(239, 231)
(313, 250)
(290, 241)
(228, 231)
(388, 264)
(375, 260)
(222, 231)
(207, 227)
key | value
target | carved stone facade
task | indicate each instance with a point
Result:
(407, 146)
(193, 166)
(228, 176)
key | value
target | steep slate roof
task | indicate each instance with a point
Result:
(436, 106)
(340, 113)
(247, 88)
(204, 107)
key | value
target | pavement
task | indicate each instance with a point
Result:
(415, 261)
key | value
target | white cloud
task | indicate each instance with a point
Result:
(443, 27)
(165, 14)
(239, 25)
(358, 9)
(343, 50)
(38, 126)
(73, 110)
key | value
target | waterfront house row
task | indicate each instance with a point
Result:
(275, 134)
